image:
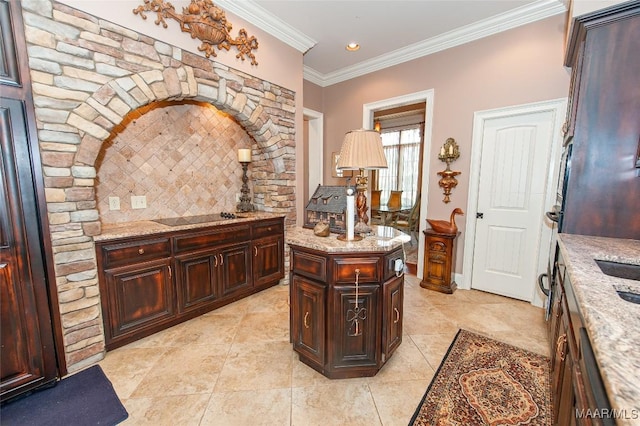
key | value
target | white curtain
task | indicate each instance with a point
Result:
(402, 149)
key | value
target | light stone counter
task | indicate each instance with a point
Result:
(147, 227)
(612, 323)
(384, 239)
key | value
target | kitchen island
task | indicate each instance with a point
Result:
(346, 300)
(611, 324)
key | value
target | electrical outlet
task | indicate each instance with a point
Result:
(114, 203)
(138, 201)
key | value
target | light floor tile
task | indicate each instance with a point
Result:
(236, 366)
(254, 407)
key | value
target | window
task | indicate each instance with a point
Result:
(402, 149)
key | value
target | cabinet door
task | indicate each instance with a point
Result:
(353, 331)
(27, 355)
(139, 297)
(308, 319)
(437, 261)
(234, 265)
(392, 311)
(268, 260)
(196, 280)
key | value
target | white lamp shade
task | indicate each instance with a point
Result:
(362, 149)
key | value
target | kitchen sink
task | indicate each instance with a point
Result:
(620, 270)
(629, 296)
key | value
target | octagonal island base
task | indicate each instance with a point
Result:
(340, 328)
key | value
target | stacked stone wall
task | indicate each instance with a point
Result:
(88, 74)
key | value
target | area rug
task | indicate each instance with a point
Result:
(85, 398)
(485, 382)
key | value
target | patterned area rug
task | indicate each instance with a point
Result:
(485, 382)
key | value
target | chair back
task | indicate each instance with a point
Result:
(375, 197)
(395, 199)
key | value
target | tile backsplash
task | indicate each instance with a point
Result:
(181, 155)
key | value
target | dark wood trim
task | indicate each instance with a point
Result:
(24, 92)
(581, 24)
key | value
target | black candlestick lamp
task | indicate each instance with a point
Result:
(244, 157)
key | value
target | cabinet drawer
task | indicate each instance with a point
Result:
(309, 265)
(135, 252)
(344, 270)
(206, 240)
(266, 229)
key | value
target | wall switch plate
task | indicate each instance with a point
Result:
(114, 203)
(138, 201)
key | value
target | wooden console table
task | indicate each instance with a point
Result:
(439, 261)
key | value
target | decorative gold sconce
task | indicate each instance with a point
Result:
(206, 22)
(448, 153)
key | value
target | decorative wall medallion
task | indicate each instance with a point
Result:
(206, 22)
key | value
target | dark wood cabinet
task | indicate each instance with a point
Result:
(28, 354)
(439, 261)
(139, 296)
(268, 252)
(601, 190)
(573, 396)
(308, 314)
(392, 300)
(150, 283)
(340, 328)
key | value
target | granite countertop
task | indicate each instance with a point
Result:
(383, 239)
(147, 227)
(612, 323)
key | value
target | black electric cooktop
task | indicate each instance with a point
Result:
(192, 220)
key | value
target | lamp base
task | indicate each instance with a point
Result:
(343, 237)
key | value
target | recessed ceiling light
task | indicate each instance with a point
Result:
(352, 47)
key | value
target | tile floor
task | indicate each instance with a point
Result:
(235, 366)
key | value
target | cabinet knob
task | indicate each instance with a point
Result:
(141, 251)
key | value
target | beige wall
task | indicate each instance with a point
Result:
(515, 67)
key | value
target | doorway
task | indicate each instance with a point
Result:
(426, 97)
(515, 155)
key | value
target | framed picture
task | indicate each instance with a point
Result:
(334, 170)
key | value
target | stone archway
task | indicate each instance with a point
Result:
(75, 115)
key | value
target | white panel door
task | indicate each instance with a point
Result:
(513, 170)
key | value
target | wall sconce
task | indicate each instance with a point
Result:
(244, 157)
(448, 153)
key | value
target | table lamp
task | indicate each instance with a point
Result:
(362, 150)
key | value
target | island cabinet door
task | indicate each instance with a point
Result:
(353, 333)
(392, 312)
(140, 297)
(268, 260)
(197, 280)
(308, 319)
